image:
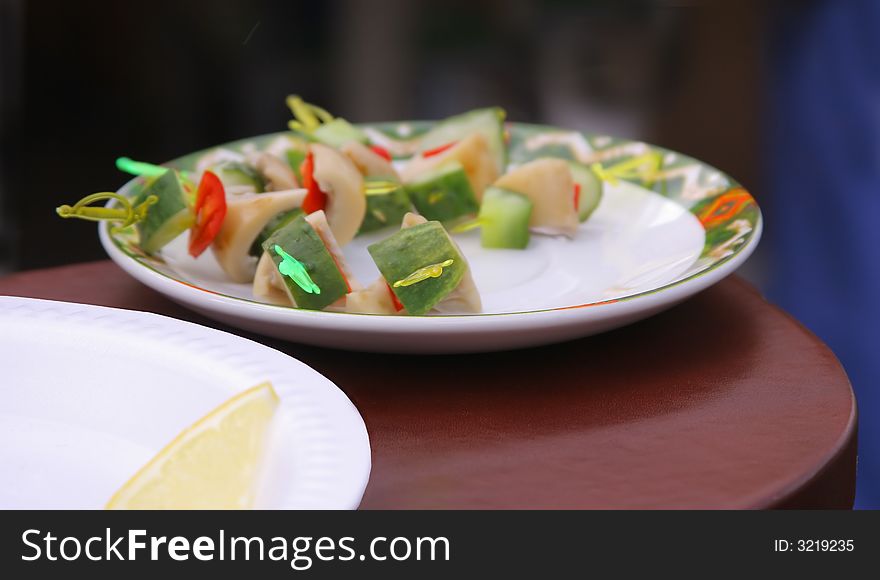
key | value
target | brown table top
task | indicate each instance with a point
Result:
(722, 402)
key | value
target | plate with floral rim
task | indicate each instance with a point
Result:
(653, 241)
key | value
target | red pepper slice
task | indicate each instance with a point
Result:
(315, 198)
(381, 151)
(577, 195)
(210, 210)
(341, 273)
(397, 305)
(438, 150)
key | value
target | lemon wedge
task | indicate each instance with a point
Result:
(213, 464)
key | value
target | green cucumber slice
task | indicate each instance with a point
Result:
(337, 133)
(591, 189)
(504, 219)
(237, 173)
(167, 218)
(411, 249)
(299, 239)
(272, 226)
(443, 194)
(489, 122)
(385, 209)
(295, 158)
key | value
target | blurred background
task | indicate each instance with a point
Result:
(783, 96)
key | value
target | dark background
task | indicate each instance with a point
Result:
(782, 95)
(87, 81)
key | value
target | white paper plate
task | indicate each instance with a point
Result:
(90, 394)
(649, 245)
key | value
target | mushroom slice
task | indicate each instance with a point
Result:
(277, 173)
(464, 299)
(343, 184)
(268, 285)
(412, 219)
(368, 162)
(246, 216)
(374, 299)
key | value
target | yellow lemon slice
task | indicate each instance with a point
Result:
(213, 464)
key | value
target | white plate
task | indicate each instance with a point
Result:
(90, 394)
(648, 246)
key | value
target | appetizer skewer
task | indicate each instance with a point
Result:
(279, 217)
(310, 266)
(425, 270)
(548, 184)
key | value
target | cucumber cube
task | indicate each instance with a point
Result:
(412, 249)
(385, 209)
(238, 173)
(167, 218)
(504, 219)
(443, 194)
(300, 240)
(272, 226)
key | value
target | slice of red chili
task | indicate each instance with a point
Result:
(381, 151)
(210, 210)
(397, 305)
(577, 195)
(438, 150)
(315, 198)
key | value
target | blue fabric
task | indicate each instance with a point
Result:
(823, 170)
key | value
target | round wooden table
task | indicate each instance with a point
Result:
(722, 402)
